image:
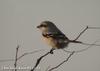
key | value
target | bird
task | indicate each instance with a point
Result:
(53, 36)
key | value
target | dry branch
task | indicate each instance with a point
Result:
(15, 64)
(39, 60)
(24, 54)
(62, 62)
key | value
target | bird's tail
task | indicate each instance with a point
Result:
(79, 42)
(74, 41)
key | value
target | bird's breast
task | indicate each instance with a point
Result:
(50, 41)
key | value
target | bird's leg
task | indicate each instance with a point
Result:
(51, 51)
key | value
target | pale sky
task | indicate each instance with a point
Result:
(18, 21)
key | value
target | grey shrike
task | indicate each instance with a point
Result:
(53, 36)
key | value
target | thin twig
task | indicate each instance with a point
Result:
(85, 30)
(6, 60)
(89, 44)
(62, 62)
(47, 68)
(94, 27)
(27, 53)
(24, 54)
(81, 33)
(39, 60)
(78, 51)
(15, 64)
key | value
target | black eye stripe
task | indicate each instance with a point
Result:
(42, 25)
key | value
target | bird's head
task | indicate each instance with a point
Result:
(46, 26)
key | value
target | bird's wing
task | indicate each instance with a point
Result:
(57, 35)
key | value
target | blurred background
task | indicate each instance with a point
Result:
(18, 21)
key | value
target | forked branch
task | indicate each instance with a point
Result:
(78, 51)
(62, 62)
(21, 56)
(39, 60)
(85, 30)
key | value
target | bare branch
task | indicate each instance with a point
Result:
(47, 68)
(6, 60)
(24, 54)
(27, 53)
(81, 33)
(78, 51)
(85, 30)
(89, 44)
(39, 60)
(15, 64)
(62, 62)
(94, 27)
